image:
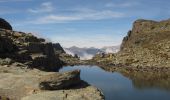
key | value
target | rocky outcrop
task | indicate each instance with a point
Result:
(32, 51)
(26, 48)
(146, 33)
(4, 24)
(146, 45)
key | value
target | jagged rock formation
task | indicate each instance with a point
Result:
(146, 45)
(28, 49)
(4, 24)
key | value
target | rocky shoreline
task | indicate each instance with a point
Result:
(29, 69)
(18, 83)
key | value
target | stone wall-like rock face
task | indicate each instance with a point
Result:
(4, 24)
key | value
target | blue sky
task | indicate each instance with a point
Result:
(83, 23)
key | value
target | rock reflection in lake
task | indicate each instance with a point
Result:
(145, 80)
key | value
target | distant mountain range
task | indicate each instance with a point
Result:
(88, 53)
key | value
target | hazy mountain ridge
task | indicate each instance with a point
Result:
(88, 53)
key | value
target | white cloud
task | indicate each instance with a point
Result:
(44, 7)
(78, 16)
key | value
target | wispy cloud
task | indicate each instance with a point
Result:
(121, 5)
(44, 7)
(79, 16)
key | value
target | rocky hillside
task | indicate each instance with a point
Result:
(146, 45)
(146, 34)
(29, 50)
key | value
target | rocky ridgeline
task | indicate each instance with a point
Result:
(146, 45)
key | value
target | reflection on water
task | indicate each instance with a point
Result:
(144, 80)
(126, 86)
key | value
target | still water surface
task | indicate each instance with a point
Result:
(115, 86)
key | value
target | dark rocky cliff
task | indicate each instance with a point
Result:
(29, 50)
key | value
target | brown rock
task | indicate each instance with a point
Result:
(63, 81)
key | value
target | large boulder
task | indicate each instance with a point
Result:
(60, 81)
(4, 24)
